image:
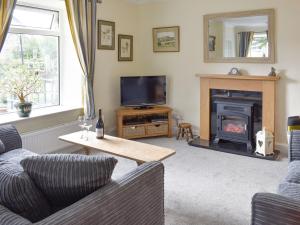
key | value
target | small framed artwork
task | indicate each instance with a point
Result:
(212, 43)
(166, 39)
(106, 35)
(125, 44)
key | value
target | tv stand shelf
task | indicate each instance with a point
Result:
(140, 123)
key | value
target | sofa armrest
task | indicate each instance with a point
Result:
(274, 209)
(136, 198)
(7, 217)
(10, 137)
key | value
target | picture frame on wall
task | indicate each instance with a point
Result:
(125, 47)
(212, 43)
(106, 35)
(166, 39)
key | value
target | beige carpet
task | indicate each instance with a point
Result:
(205, 187)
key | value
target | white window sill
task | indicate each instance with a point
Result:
(13, 117)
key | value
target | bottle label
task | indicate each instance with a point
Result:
(99, 133)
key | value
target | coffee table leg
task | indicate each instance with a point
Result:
(87, 150)
(139, 163)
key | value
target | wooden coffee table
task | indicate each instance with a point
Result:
(137, 151)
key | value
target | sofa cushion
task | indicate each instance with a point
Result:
(290, 190)
(2, 147)
(16, 155)
(64, 179)
(293, 172)
(19, 194)
(10, 137)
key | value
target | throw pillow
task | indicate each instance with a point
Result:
(19, 194)
(2, 147)
(65, 179)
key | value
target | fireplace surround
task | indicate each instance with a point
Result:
(265, 85)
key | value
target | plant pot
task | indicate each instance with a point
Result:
(23, 109)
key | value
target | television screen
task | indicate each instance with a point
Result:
(143, 90)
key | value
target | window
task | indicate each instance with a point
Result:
(33, 41)
(259, 46)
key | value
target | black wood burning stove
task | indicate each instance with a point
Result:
(235, 122)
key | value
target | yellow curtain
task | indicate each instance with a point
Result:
(82, 19)
(6, 12)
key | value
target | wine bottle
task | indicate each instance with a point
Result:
(100, 127)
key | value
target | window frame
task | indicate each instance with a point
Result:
(43, 32)
(260, 32)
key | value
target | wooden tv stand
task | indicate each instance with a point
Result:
(139, 123)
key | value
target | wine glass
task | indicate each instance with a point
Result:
(88, 125)
(82, 123)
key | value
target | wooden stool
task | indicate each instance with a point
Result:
(185, 130)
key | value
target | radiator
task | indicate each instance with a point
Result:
(46, 140)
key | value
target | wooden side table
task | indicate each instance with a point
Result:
(139, 123)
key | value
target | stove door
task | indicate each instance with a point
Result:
(233, 127)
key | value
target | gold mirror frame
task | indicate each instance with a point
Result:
(271, 31)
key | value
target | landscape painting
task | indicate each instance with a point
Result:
(166, 39)
(106, 35)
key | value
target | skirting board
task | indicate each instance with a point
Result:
(283, 148)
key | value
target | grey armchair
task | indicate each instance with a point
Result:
(135, 199)
(283, 208)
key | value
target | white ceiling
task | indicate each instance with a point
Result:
(144, 1)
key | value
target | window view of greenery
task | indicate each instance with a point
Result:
(259, 46)
(37, 52)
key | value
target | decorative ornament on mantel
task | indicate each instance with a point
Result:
(235, 72)
(273, 72)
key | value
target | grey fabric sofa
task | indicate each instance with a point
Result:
(282, 208)
(135, 199)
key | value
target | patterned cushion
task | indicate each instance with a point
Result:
(294, 172)
(64, 179)
(290, 190)
(2, 147)
(19, 194)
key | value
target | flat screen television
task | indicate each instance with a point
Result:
(143, 91)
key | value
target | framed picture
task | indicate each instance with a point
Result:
(125, 44)
(106, 35)
(166, 39)
(212, 43)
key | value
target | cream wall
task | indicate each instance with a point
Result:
(181, 67)
(108, 70)
(183, 93)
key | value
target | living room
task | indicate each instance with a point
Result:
(201, 186)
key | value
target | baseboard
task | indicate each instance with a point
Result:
(283, 148)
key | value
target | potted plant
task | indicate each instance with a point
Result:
(21, 81)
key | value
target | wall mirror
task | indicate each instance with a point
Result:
(240, 37)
